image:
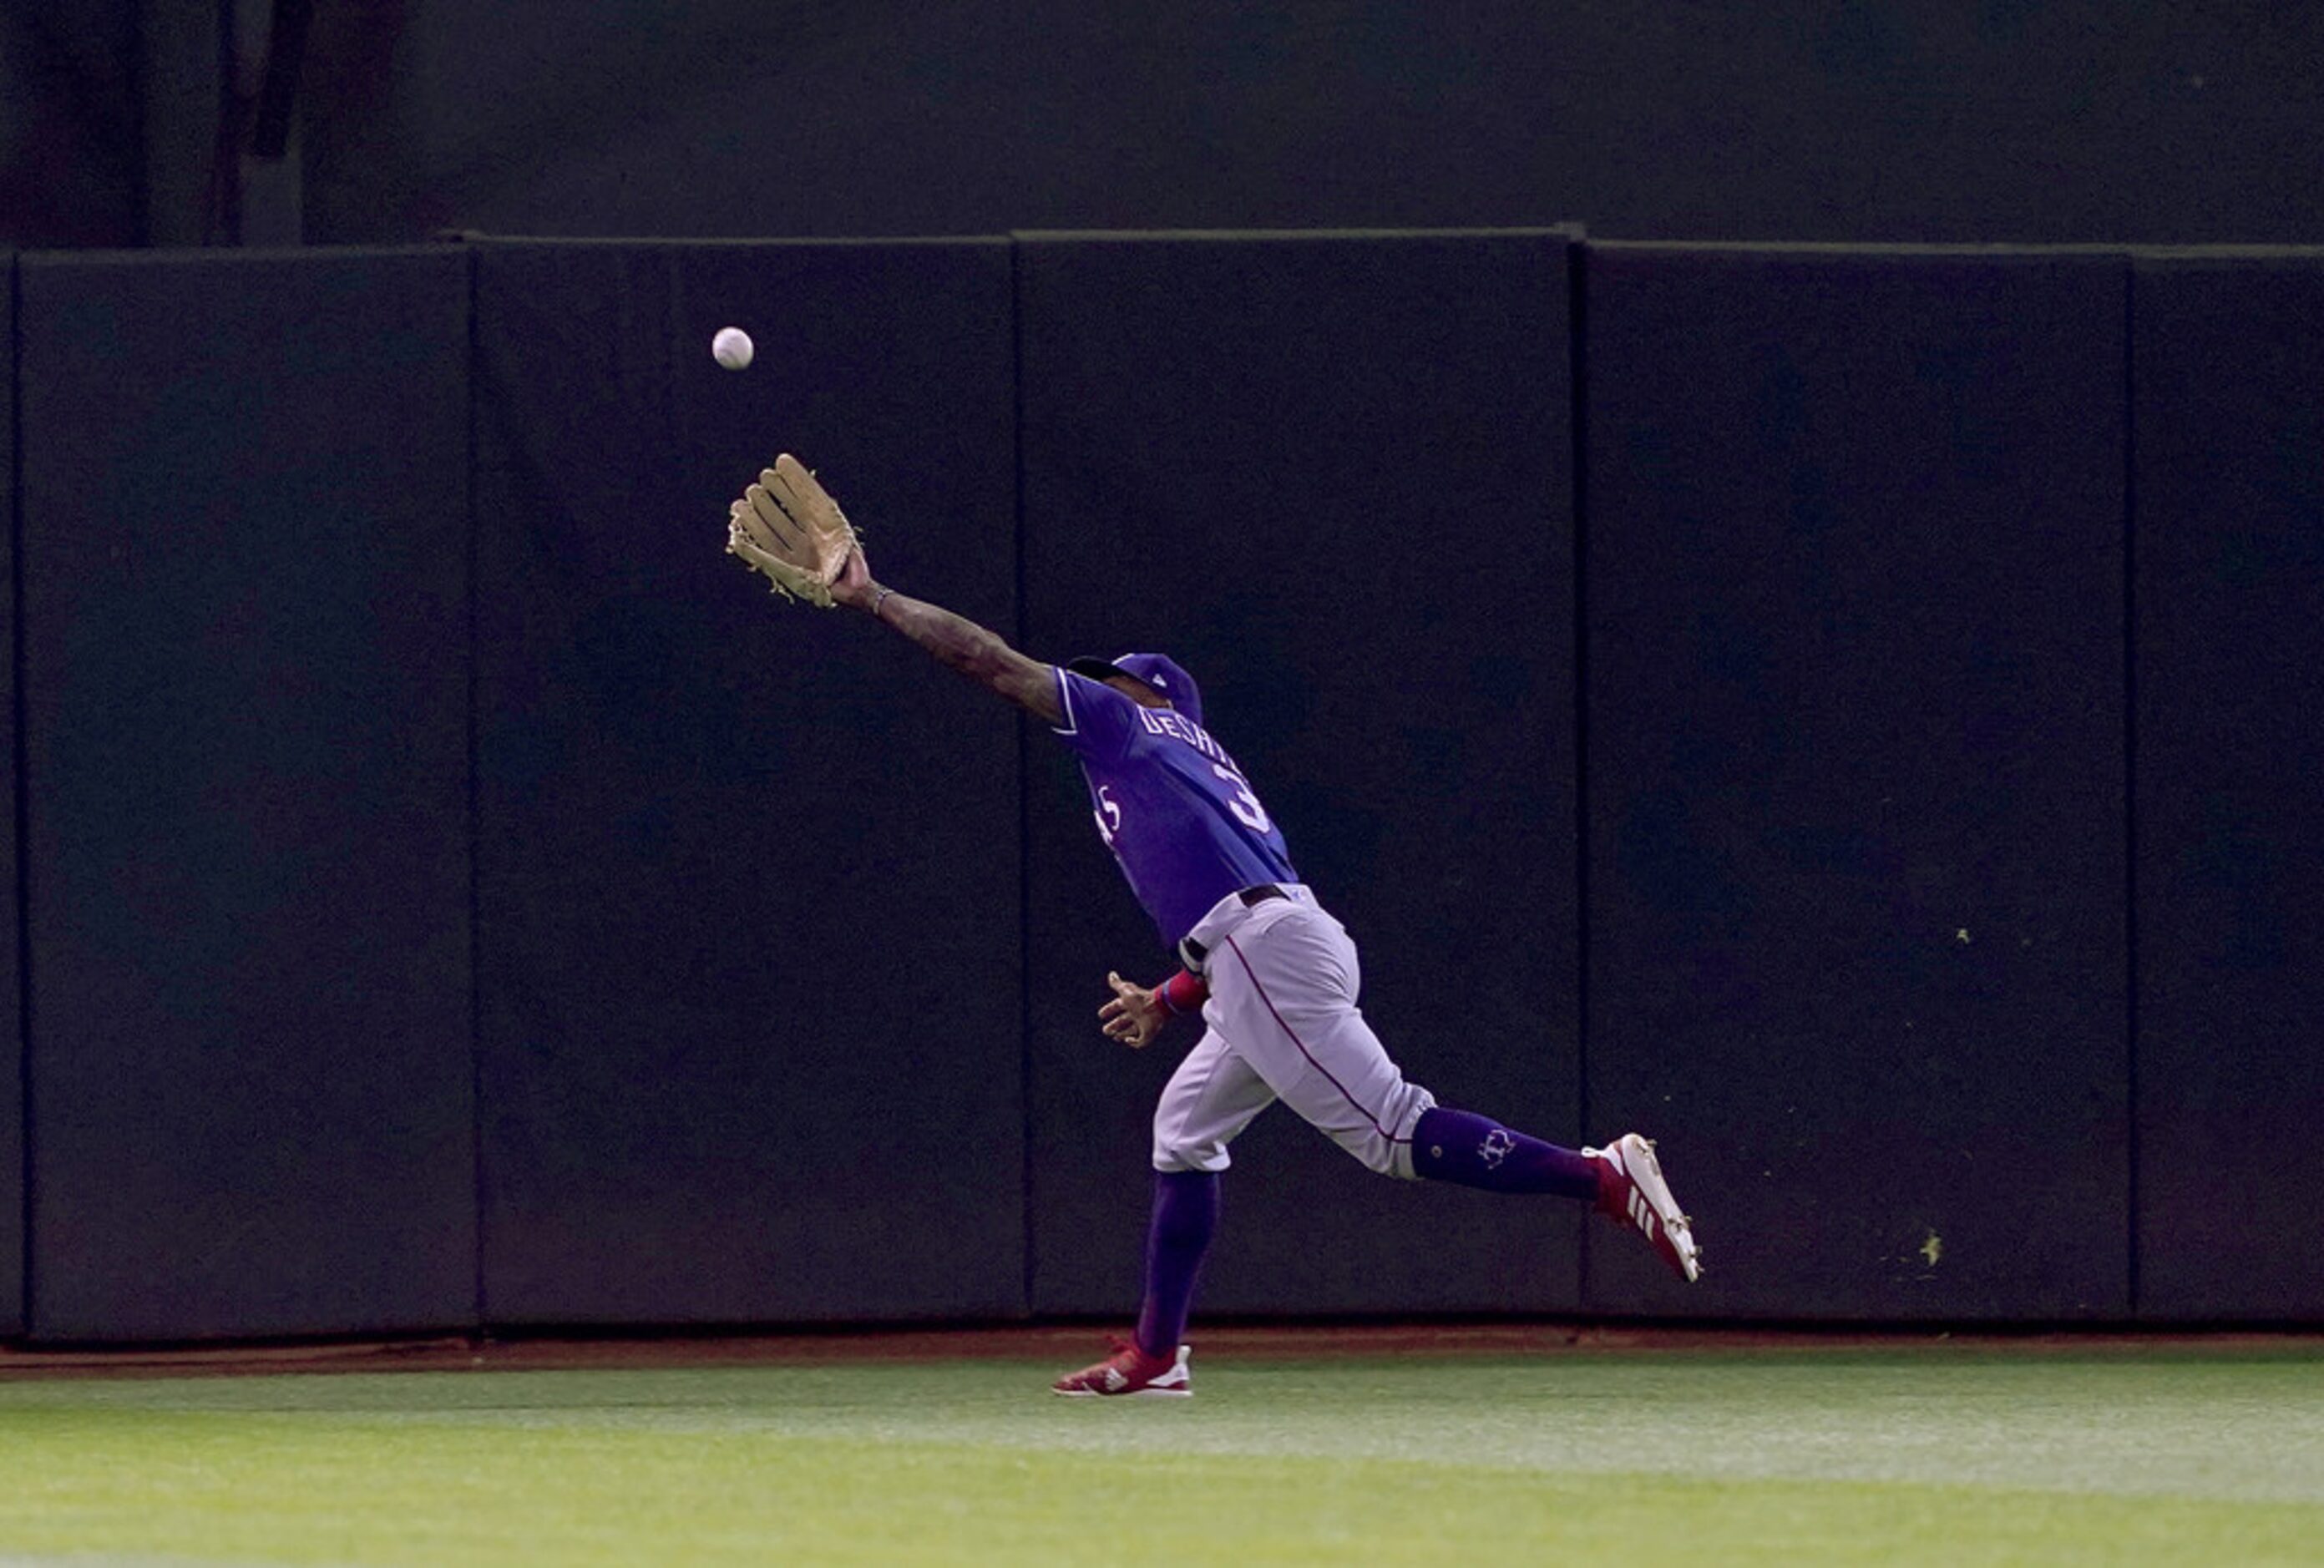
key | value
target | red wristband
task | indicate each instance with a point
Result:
(1182, 993)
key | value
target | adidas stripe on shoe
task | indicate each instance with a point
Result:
(1632, 1191)
(1129, 1372)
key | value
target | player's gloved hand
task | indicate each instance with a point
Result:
(787, 527)
(1133, 1017)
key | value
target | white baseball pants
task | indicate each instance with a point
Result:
(1283, 1024)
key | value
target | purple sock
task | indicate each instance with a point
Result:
(1477, 1151)
(1185, 1214)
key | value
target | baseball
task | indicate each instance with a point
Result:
(732, 348)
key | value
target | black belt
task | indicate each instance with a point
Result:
(1193, 952)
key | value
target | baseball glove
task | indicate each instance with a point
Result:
(788, 526)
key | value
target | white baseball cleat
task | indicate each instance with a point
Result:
(1131, 1372)
(1631, 1192)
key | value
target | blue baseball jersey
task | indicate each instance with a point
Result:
(1178, 814)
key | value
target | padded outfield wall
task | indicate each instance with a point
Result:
(1855, 729)
(748, 874)
(1225, 442)
(243, 558)
(1858, 940)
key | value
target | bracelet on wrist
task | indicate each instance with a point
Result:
(1183, 993)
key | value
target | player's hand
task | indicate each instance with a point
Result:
(1133, 1017)
(854, 586)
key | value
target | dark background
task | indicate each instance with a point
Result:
(243, 558)
(1847, 714)
(1843, 706)
(748, 882)
(1857, 925)
(11, 1054)
(1208, 421)
(2228, 403)
(2060, 120)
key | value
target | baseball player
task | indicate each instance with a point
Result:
(1272, 976)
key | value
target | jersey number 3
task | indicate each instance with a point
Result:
(1242, 802)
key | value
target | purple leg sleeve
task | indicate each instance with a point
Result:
(1185, 1216)
(1477, 1151)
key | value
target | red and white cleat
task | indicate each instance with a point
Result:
(1129, 1371)
(1631, 1191)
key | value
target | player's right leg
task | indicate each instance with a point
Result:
(1283, 988)
(1632, 1191)
(1286, 984)
(1623, 1181)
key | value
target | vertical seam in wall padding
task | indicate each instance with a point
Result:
(222, 195)
(475, 830)
(1023, 789)
(2130, 752)
(22, 825)
(1577, 255)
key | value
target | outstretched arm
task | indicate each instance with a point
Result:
(957, 642)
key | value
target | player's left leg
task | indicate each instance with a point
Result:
(1211, 1098)
(1208, 1101)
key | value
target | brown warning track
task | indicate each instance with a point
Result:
(547, 1352)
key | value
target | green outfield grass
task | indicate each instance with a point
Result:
(1789, 1457)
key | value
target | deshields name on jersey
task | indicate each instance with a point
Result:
(1163, 721)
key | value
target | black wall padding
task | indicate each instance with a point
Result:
(2229, 488)
(1331, 475)
(245, 543)
(1858, 948)
(12, 1040)
(749, 876)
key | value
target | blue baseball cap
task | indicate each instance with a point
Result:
(1158, 671)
